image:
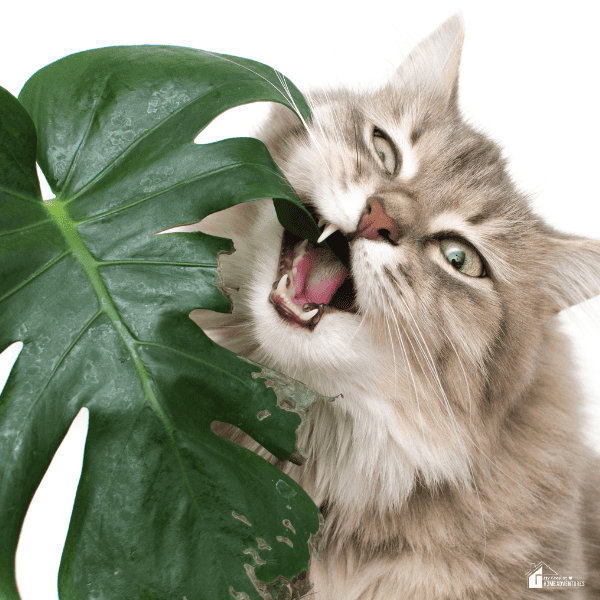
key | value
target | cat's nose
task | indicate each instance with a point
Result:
(376, 224)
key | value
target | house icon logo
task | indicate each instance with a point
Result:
(535, 577)
(542, 576)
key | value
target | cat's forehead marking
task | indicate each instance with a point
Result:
(401, 135)
(485, 229)
(450, 221)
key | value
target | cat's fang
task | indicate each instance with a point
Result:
(282, 286)
(327, 232)
(309, 315)
(293, 314)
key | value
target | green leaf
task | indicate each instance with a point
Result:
(164, 508)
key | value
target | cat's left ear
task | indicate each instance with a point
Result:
(573, 270)
(433, 65)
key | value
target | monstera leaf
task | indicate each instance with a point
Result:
(165, 509)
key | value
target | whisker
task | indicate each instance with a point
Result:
(359, 326)
(460, 438)
(464, 375)
(393, 353)
(358, 165)
(408, 365)
(337, 129)
(308, 129)
(460, 435)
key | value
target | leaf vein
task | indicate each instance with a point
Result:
(14, 194)
(111, 263)
(33, 276)
(168, 189)
(97, 103)
(24, 228)
(194, 358)
(131, 146)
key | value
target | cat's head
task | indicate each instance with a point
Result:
(452, 277)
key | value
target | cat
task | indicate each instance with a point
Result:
(450, 461)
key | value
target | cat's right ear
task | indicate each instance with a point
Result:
(432, 67)
(573, 270)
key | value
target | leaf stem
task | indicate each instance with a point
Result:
(90, 267)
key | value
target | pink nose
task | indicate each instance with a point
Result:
(376, 224)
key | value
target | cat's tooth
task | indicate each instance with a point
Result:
(327, 232)
(301, 247)
(282, 285)
(321, 223)
(299, 252)
(309, 315)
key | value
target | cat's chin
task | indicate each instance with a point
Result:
(323, 357)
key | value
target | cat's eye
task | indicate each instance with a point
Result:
(385, 151)
(463, 257)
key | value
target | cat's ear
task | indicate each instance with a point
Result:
(433, 65)
(573, 268)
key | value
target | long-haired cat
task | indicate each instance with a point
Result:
(451, 462)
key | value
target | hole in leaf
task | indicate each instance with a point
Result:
(47, 520)
(47, 193)
(239, 121)
(7, 360)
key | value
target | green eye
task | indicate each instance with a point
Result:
(385, 151)
(463, 257)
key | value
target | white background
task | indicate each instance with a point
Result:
(528, 78)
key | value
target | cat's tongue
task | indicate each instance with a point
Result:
(317, 277)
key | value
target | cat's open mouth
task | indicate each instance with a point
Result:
(310, 282)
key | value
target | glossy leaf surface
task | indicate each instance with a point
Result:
(164, 508)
